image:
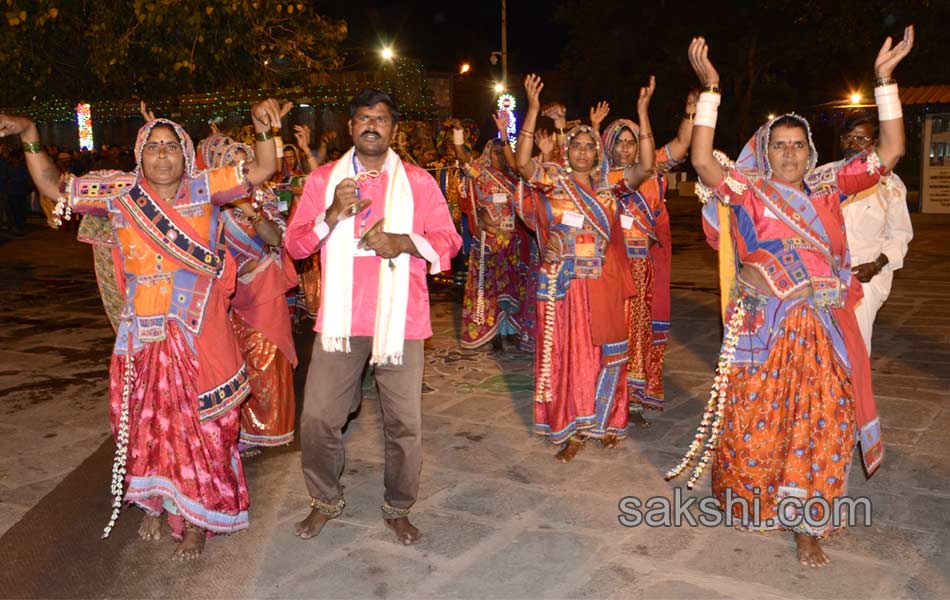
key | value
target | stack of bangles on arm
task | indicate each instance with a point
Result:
(707, 109)
(527, 133)
(263, 136)
(887, 99)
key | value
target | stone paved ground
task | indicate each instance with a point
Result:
(501, 520)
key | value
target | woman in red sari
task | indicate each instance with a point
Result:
(177, 375)
(580, 366)
(649, 248)
(792, 395)
(496, 287)
(259, 311)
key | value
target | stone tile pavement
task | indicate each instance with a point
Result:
(500, 518)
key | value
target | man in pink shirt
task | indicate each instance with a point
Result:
(377, 224)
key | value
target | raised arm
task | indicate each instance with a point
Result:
(679, 145)
(458, 140)
(598, 114)
(500, 118)
(533, 86)
(704, 127)
(637, 172)
(42, 169)
(302, 137)
(266, 117)
(892, 141)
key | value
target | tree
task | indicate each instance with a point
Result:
(155, 48)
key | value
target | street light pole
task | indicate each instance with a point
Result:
(504, 42)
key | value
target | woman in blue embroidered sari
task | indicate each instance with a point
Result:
(580, 368)
(177, 375)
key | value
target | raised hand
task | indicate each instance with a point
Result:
(145, 112)
(302, 137)
(557, 112)
(545, 142)
(702, 66)
(501, 121)
(643, 102)
(328, 137)
(598, 114)
(533, 86)
(889, 56)
(215, 130)
(269, 113)
(14, 125)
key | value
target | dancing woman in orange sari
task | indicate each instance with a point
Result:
(176, 375)
(792, 395)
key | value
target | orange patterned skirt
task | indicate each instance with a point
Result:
(267, 416)
(789, 430)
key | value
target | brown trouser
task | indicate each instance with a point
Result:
(333, 393)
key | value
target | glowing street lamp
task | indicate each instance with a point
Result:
(387, 53)
(855, 98)
(465, 68)
(499, 87)
(771, 116)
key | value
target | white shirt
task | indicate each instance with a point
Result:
(877, 222)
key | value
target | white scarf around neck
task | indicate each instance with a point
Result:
(393, 297)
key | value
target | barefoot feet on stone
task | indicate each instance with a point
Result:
(151, 528)
(637, 419)
(610, 441)
(190, 546)
(809, 552)
(311, 526)
(405, 531)
(569, 450)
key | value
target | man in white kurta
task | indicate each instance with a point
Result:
(878, 227)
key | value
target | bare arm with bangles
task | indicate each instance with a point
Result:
(526, 166)
(637, 172)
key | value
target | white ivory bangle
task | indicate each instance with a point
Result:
(458, 137)
(707, 109)
(888, 103)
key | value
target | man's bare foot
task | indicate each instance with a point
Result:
(638, 419)
(570, 449)
(190, 546)
(311, 526)
(405, 531)
(151, 528)
(609, 441)
(809, 552)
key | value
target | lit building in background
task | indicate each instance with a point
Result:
(84, 120)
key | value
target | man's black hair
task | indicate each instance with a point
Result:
(861, 118)
(369, 98)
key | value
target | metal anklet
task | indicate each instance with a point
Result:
(393, 512)
(330, 509)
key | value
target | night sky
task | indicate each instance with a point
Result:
(445, 34)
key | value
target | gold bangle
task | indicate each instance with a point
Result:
(32, 147)
(883, 81)
(263, 136)
(712, 88)
(689, 116)
(645, 136)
